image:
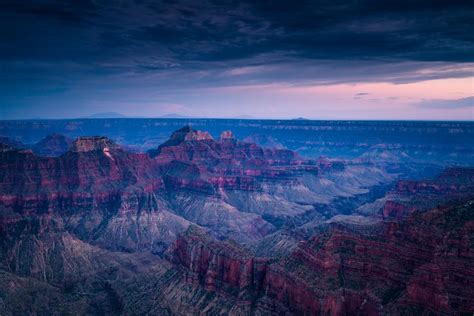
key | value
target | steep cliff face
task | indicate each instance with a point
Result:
(422, 264)
(229, 269)
(185, 134)
(392, 264)
(92, 164)
(455, 184)
(96, 190)
(199, 147)
(218, 266)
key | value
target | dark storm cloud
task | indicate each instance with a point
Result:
(418, 30)
(48, 47)
(230, 30)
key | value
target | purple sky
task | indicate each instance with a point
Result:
(273, 59)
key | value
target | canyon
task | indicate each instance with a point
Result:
(205, 224)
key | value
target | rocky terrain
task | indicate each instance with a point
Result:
(438, 143)
(204, 225)
(420, 265)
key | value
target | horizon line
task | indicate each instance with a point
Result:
(234, 118)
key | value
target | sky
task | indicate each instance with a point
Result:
(396, 59)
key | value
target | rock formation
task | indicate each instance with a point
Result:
(52, 145)
(208, 226)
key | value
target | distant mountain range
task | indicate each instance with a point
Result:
(105, 115)
(102, 115)
(174, 115)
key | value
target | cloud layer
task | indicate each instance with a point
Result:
(96, 52)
